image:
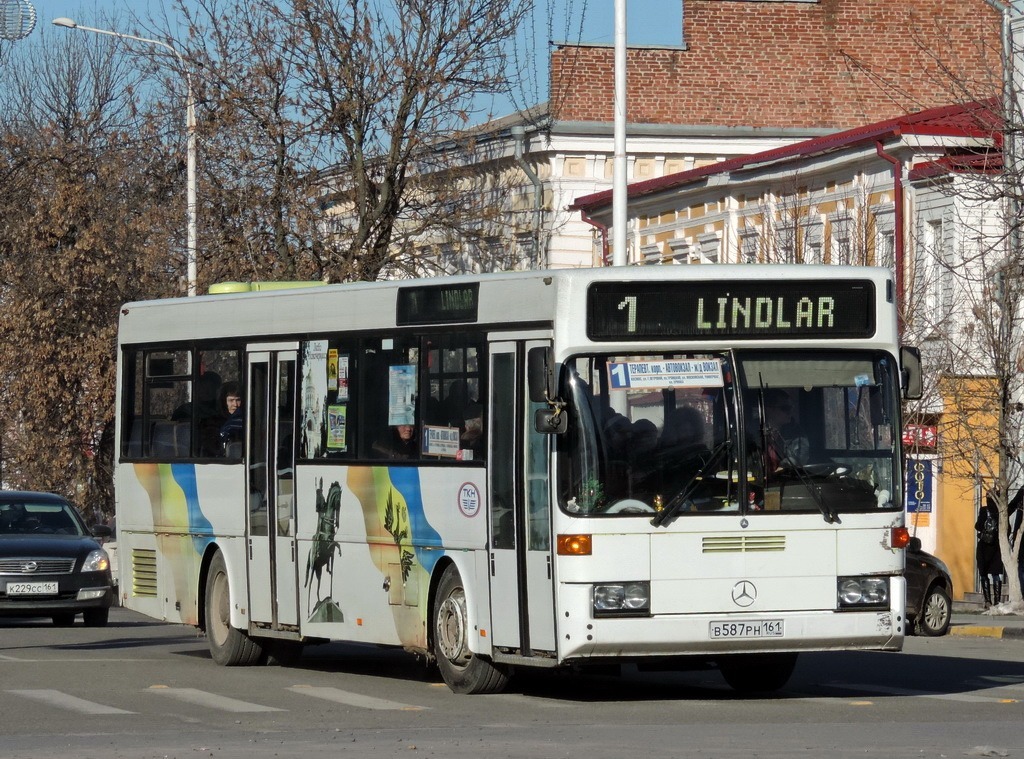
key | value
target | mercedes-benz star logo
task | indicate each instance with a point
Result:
(744, 593)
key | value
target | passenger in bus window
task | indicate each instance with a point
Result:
(234, 424)
(456, 402)
(205, 398)
(210, 412)
(616, 434)
(401, 443)
(473, 434)
(683, 434)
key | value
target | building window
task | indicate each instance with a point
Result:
(748, 246)
(813, 243)
(785, 244)
(841, 246)
(932, 281)
(885, 238)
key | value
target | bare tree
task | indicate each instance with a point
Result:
(85, 181)
(967, 312)
(311, 103)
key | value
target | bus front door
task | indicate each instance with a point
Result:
(270, 454)
(522, 592)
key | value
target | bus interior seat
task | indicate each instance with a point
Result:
(162, 443)
(171, 439)
(182, 439)
(234, 449)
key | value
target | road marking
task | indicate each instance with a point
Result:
(964, 697)
(353, 699)
(212, 700)
(87, 660)
(65, 701)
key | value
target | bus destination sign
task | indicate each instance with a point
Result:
(705, 310)
(438, 304)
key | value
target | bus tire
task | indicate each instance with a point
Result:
(462, 670)
(229, 646)
(757, 673)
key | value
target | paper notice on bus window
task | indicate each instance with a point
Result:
(652, 375)
(337, 424)
(402, 394)
(332, 369)
(441, 441)
(343, 377)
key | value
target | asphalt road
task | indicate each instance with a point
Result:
(138, 688)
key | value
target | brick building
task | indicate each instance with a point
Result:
(807, 64)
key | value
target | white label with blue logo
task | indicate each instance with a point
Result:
(649, 375)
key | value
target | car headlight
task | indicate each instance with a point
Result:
(96, 561)
(632, 599)
(863, 592)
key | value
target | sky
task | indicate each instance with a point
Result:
(648, 22)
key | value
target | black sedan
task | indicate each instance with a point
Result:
(929, 592)
(51, 564)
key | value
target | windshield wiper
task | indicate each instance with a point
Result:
(676, 503)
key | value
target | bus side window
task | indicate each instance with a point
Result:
(388, 392)
(454, 390)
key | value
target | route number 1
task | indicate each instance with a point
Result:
(629, 304)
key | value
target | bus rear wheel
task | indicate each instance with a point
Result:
(462, 670)
(757, 673)
(229, 646)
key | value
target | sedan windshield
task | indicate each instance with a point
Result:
(678, 434)
(34, 518)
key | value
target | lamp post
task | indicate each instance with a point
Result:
(190, 117)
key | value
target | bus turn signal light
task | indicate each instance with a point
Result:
(900, 537)
(574, 545)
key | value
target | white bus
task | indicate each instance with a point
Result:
(669, 466)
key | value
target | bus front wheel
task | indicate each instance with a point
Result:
(229, 646)
(462, 670)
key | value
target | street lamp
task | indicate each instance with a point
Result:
(190, 105)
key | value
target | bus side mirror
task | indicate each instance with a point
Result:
(911, 378)
(551, 419)
(548, 421)
(540, 375)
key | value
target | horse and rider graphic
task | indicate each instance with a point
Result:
(321, 554)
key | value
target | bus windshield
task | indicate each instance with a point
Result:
(741, 431)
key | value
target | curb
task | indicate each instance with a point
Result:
(985, 631)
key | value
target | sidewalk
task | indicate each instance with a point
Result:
(980, 625)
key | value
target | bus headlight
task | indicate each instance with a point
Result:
(622, 599)
(863, 592)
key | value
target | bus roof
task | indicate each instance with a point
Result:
(513, 298)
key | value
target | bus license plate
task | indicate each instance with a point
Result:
(32, 588)
(767, 628)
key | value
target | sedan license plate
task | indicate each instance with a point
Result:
(727, 630)
(32, 588)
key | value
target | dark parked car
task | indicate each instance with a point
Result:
(929, 592)
(51, 563)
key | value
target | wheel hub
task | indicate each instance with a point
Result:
(451, 628)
